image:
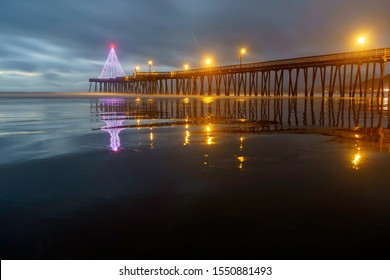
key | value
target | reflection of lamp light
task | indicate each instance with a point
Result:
(209, 138)
(187, 136)
(241, 160)
(151, 138)
(356, 161)
(138, 123)
(357, 157)
(206, 159)
(242, 138)
(207, 100)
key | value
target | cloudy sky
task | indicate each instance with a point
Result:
(56, 45)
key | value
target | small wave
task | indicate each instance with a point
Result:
(19, 133)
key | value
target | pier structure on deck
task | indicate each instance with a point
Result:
(360, 73)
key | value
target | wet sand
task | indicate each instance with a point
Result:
(167, 204)
(83, 178)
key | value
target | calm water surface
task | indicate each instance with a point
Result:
(142, 177)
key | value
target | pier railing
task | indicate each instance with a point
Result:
(362, 56)
(348, 73)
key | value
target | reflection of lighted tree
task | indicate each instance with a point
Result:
(333, 116)
(113, 126)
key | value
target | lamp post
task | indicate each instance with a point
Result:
(136, 69)
(186, 67)
(150, 62)
(242, 52)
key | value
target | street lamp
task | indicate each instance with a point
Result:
(136, 69)
(242, 52)
(150, 62)
(186, 67)
(208, 61)
(361, 40)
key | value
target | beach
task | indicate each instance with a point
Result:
(140, 177)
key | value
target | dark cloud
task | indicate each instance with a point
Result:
(58, 45)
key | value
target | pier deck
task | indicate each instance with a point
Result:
(347, 74)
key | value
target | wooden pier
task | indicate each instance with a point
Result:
(350, 74)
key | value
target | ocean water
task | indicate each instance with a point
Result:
(152, 177)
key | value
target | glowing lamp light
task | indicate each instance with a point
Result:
(242, 52)
(361, 41)
(208, 61)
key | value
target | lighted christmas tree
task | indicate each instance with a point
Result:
(112, 68)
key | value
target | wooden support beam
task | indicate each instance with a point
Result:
(313, 81)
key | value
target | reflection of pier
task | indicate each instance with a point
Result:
(344, 74)
(344, 117)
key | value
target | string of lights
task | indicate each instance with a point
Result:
(112, 68)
